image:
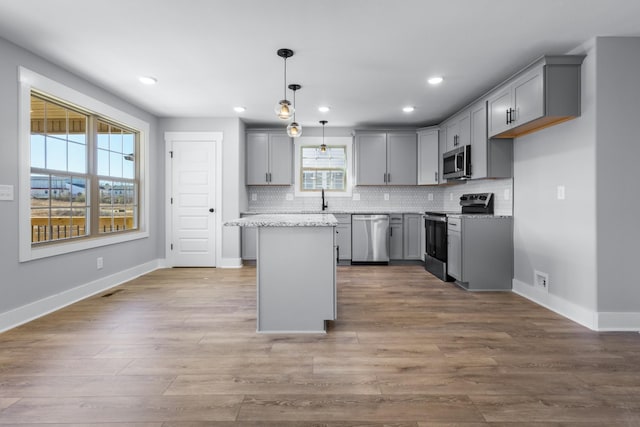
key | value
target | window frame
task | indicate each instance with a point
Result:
(31, 81)
(312, 141)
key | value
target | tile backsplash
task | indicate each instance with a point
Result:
(408, 199)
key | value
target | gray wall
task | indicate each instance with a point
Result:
(22, 283)
(234, 192)
(558, 237)
(617, 189)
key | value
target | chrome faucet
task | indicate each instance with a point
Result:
(325, 205)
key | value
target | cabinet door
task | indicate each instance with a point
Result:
(428, 158)
(479, 141)
(280, 159)
(402, 159)
(343, 241)
(498, 104)
(371, 159)
(454, 254)
(528, 97)
(412, 236)
(395, 240)
(257, 158)
(451, 135)
(464, 130)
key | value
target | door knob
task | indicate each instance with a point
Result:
(211, 210)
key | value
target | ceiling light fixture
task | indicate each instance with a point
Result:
(324, 109)
(147, 80)
(294, 129)
(435, 80)
(408, 109)
(283, 109)
(323, 147)
(239, 109)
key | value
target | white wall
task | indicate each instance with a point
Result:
(25, 283)
(558, 237)
(618, 191)
(234, 192)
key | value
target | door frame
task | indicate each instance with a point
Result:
(169, 137)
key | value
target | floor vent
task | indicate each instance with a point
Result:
(112, 293)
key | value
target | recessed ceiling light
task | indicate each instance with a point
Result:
(435, 80)
(408, 109)
(324, 109)
(147, 80)
(239, 109)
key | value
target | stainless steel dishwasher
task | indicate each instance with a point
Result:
(369, 238)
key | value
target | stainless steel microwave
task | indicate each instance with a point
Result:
(457, 163)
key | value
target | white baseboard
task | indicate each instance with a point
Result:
(614, 321)
(231, 263)
(31, 311)
(556, 304)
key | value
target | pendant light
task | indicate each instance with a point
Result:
(323, 147)
(283, 109)
(294, 129)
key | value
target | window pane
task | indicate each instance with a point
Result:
(60, 191)
(37, 151)
(39, 191)
(128, 167)
(77, 127)
(56, 154)
(103, 141)
(115, 165)
(103, 162)
(39, 224)
(115, 140)
(79, 223)
(77, 155)
(128, 143)
(56, 120)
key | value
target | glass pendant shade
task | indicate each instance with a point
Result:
(294, 129)
(323, 148)
(284, 110)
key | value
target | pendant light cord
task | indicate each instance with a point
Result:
(285, 79)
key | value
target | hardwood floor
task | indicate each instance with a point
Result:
(178, 348)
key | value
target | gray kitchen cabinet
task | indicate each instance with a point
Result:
(249, 241)
(396, 236)
(428, 156)
(343, 236)
(545, 93)
(490, 158)
(480, 252)
(386, 158)
(269, 158)
(412, 236)
(458, 131)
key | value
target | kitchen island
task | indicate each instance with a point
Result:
(296, 271)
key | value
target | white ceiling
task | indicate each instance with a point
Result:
(366, 59)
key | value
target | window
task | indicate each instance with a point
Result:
(326, 169)
(82, 176)
(315, 170)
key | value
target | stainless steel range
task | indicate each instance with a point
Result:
(435, 223)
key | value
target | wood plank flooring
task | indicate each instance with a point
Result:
(178, 348)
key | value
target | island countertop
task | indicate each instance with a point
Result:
(285, 220)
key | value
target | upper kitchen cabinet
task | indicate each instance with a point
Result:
(386, 158)
(490, 158)
(545, 93)
(428, 156)
(458, 130)
(269, 158)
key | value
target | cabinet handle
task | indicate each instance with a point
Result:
(266, 177)
(435, 176)
(385, 177)
(507, 115)
(389, 177)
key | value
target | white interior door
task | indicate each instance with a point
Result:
(193, 217)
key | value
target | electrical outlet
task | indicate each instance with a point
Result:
(99, 263)
(541, 280)
(430, 197)
(560, 192)
(386, 196)
(254, 197)
(289, 196)
(6, 192)
(356, 196)
(507, 194)
(450, 196)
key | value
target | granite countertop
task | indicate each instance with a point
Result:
(337, 211)
(285, 220)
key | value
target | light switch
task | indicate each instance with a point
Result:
(430, 197)
(386, 196)
(560, 192)
(507, 194)
(254, 197)
(6, 192)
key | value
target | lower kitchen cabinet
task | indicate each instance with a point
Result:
(249, 237)
(412, 231)
(396, 236)
(480, 252)
(343, 236)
